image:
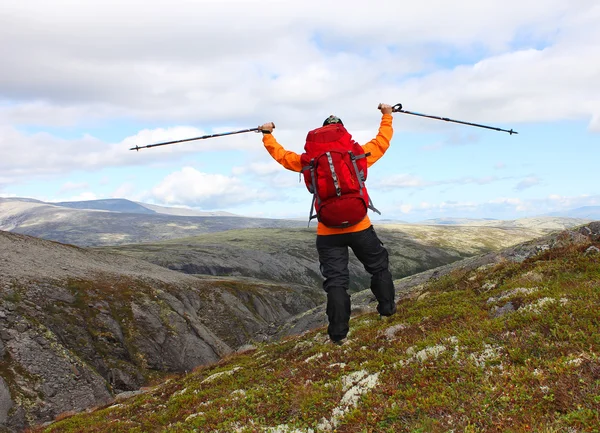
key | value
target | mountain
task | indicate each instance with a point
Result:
(78, 326)
(112, 205)
(507, 343)
(85, 227)
(118, 222)
(127, 206)
(178, 211)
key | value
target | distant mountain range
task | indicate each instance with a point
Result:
(118, 221)
(128, 206)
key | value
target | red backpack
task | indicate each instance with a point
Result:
(335, 170)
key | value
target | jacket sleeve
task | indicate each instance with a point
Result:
(378, 146)
(287, 158)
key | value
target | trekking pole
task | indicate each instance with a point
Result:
(398, 109)
(198, 138)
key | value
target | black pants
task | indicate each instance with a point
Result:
(333, 257)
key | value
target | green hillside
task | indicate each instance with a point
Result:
(513, 347)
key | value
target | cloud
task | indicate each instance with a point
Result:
(258, 168)
(143, 64)
(139, 62)
(498, 208)
(84, 196)
(454, 138)
(527, 183)
(191, 187)
(402, 181)
(72, 186)
(398, 181)
(42, 154)
(566, 202)
(124, 190)
(595, 122)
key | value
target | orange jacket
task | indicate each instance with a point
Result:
(376, 147)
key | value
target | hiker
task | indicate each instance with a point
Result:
(341, 203)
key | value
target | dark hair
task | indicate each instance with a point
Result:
(332, 119)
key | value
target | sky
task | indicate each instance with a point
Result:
(83, 81)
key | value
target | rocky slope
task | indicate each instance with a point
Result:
(505, 342)
(79, 326)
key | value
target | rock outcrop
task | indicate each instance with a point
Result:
(78, 327)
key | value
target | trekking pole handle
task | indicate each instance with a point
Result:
(395, 108)
(266, 131)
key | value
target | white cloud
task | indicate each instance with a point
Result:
(556, 201)
(84, 196)
(397, 181)
(152, 60)
(40, 154)
(258, 168)
(595, 122)
(402, 181)
(124, 190)
(528, 182)
(270, 173)
(213, 65)
(72, 186)
(206, 191)
(497, 208)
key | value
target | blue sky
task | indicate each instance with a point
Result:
(84, 83)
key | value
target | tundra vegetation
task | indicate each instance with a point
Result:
(512, 346)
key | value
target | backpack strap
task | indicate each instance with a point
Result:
(373, 208)
(316, 198)
(336, 182)
(312, 215)
(360, 177)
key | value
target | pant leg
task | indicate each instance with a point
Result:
(333, 259)
(372, 254)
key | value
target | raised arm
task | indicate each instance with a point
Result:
(287, 158)
(380, 144)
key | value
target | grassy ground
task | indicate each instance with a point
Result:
(512, 348)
